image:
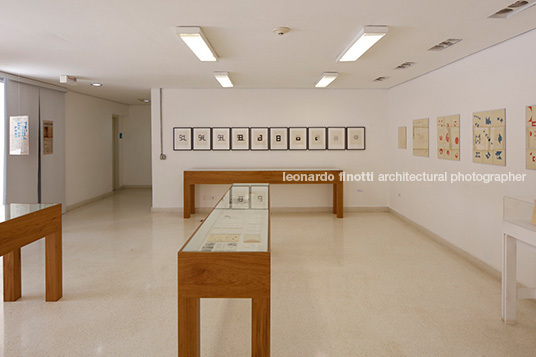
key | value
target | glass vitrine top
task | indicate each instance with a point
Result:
(520, 211)
(238, 223)
(15, 210)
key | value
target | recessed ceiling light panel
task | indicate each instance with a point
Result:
(445, 44)
(194, 38)
(365, 39)
(513, 9)
(223, 78)
(405, 65)
(381, 79)
(327, 78)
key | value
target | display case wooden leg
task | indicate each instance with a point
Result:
(509, 280)
(189, 327)
(335, 198)
(192, 199)
(53, 267)
(260, 327)
(340, 196)
(186, 200)
(12, 276)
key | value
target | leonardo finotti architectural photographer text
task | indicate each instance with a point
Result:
(405, 177)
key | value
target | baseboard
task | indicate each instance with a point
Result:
(86, 202)
(437, 238)
(137, 186)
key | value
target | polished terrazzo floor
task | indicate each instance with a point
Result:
(366, 285)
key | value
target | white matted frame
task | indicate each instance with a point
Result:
(317, 138)
(355, 138)
(278, 138)
(221, 139)
(298, 138)
(336, 138)
(201, 139)
(259, 138)
(239, 138)
(182, 139)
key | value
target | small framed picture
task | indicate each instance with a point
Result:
(201, 138)
(317, 138)
(221, 139)
(355, 138)
(336, 138)
(298, 138)
(278, 138)
(240, 138)
(182, 139)
(259, 138)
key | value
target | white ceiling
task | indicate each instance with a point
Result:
(130, 45)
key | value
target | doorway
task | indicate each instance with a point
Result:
(115, 155)
(2, 144)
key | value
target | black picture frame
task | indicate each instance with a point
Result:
(358, 129)
(235, 147)
(267, 138)
(291, 141)
(309, 138)
(209, 141)
(272, 136)
(215, 132)
(330, 144)
(189, 135)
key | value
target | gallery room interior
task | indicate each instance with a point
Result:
(347, 178)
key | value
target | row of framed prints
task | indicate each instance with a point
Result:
(297, 138)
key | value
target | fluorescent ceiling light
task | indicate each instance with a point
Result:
(223, 78)
(96, 84)
(198, 43)
(327, 78)
(366, 38)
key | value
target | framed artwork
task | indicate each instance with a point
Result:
(531, 138)
(278, 138)
(489, 137)
(221, 139)
(317, 138)
(298, 138)
(48, 137)
(420, 137)
(201, 139)
(259, 138)
(240, 138)
(336, 138)
(355, 138)
(448, 137)
(182, 139)
(19, 136)
(402, 137)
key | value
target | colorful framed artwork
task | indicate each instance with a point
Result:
(336, 138)
(355, 138)
(489, 137)
(298, 138)
(221, 139)
(240, 138)
(201, 139)
(278, 138)
(259, 138)
(448, 137)
(317, 138)
(182, 139)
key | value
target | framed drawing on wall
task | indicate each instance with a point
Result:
(259, 138)
(182, 139)
(298, 138)
(278, 138)
(201, 139)
(317, 138)
(221, 139)
(240, 138)
(355, 138)
(336, 138)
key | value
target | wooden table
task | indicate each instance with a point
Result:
(223, 274)
(22, 224)
(271, 176)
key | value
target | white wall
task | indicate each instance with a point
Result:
(136, 146)
(88, 144)
(271, 108)
(468, 215)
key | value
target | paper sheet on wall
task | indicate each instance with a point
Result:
(48, 137)
(19, 143)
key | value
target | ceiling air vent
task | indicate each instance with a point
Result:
(513, 9)
(405, 65)
(381, 79)
(445, 44)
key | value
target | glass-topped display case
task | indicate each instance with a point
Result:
(238, 223)
(520, 211)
